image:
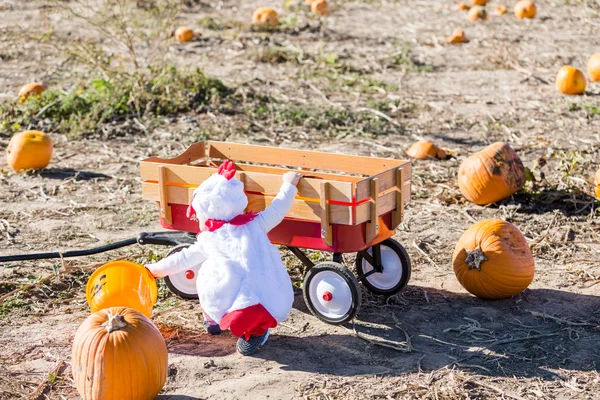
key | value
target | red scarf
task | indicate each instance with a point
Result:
(212, 225)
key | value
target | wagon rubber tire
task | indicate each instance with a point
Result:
(397, 276)
(331, 293)
(171, 281)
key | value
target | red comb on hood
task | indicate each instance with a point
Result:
(227, 169)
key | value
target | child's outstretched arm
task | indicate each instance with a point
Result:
(185, 259)
(274, 214)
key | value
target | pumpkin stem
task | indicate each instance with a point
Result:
(475, 258)
(114, 323)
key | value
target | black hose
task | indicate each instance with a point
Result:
(67, 254)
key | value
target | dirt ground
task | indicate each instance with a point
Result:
(385, 67)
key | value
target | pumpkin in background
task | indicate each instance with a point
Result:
(500, 10)
(597, 182)
(265, 16)
(462, 7)
(319, 7)
(29, 150)
(458, 36)
(425, 149)
(593, 67)
(476, 13)
(491, 175)
(31, 89)
(184, 34)
(570, 80)
(492, 260)
(118, 354)
(479, 2)
(525, 9)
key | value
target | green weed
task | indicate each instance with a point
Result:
(83, 109)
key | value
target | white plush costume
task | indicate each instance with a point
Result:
(240, 267)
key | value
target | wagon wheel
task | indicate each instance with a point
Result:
(331, 293)
(396, 269)
(183, 283)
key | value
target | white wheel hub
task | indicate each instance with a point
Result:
(392, 269)
(330, 294)
(185, 281)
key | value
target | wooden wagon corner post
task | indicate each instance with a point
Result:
(326, 229)
(373, 224)
(165, 208)
(398, 213)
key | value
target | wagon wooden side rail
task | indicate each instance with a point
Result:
(336, 189)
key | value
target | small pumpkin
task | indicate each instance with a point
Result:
(118, 353)
(184, 34)
(265, 16)
(570, 80)
(597, 182)
(492, 260)
(477, 12)
(491, 175)
(30, 89)
(425, 149)
(593, 67)
(479, 2)
(462, 7)
(29, 150)
(458, 36)
(500, 10)
(319, 7)
(525, 9)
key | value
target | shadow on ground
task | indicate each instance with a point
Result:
(69, 173)
(530, 335)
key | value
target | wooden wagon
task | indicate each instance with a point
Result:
(345, 204)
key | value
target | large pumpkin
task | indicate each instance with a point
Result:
(118, 354)
(491, 175)
(29, 150)
(492, 260)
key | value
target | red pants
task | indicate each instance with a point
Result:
(253, 320)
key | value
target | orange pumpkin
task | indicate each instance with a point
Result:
(184, 34)
(33, 88)
(476, 13)
(118, 353)
(462, 7)
(425, 149)
(491, 175)
(597, 182)
(525, 9)
(458, 36)
(479, 2)
(593, 67)
(500, 10)
(265, 16)
(570, 80)
(492, 260)
(319, 7)
(29, 150)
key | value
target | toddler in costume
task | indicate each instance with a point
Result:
(242, 285)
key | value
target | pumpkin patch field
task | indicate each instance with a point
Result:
(504, 189)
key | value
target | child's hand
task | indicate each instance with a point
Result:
(292, 177)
